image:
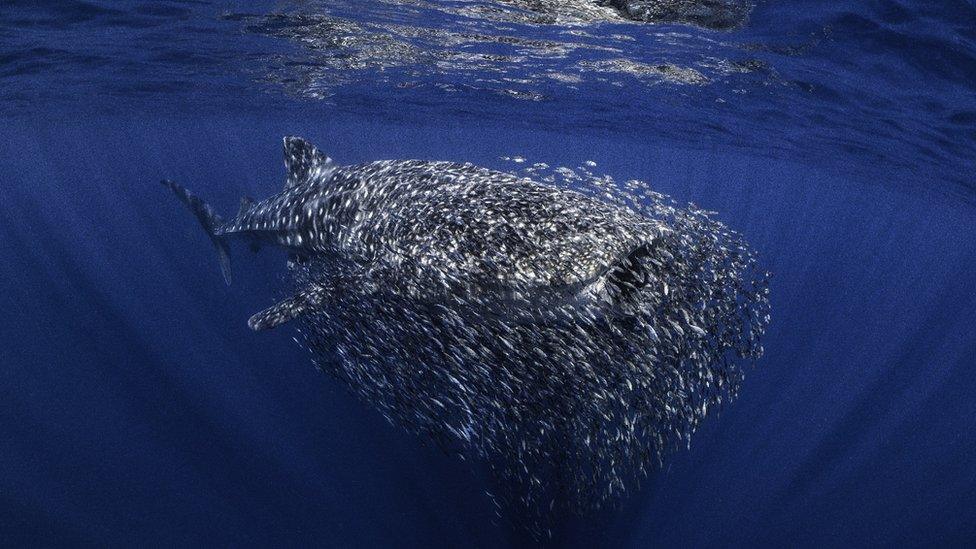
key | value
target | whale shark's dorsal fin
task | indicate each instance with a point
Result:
(303, 162)
(289, 309)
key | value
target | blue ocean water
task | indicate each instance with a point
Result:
(136, 407)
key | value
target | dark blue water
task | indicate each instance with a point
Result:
(137, 408)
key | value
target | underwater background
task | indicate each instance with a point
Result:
(136, 407)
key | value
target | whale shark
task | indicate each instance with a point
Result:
(568, 333)
(447, 227)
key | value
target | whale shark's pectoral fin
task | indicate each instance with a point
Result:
(299, 304)
(304, 162)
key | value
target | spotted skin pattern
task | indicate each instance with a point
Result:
(567, 335)
(491, 231)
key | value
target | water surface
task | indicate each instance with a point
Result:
(836, 137)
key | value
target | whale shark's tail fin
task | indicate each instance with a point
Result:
(210, 222)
